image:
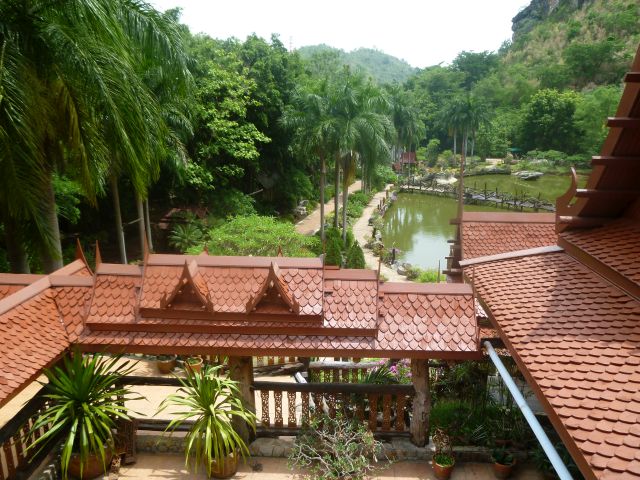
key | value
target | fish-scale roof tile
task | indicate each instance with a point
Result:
(566, 323)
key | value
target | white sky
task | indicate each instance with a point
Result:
(422, 32)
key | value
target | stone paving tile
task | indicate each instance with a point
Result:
(165, 467)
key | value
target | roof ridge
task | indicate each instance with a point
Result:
(24, 294)
(510, 255)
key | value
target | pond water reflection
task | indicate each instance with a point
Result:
(418, 224)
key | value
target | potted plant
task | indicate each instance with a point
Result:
(212, 402)
(166, 363)
(443, 460)
(193, 364)
(86, 398)
(335, 448)
(503, 462)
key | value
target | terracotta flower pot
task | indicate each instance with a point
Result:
(166, 365)
(225, 469)
(193, 365)
(442, 472)
(502, 471)
(92, 468)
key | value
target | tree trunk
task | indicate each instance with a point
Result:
(116, 209)
(461, 181)
(147, 222)
(336, 193)
(323, 175)
(241, 370)
(141, 222)
(52, 256)
(473, 144)
(16, 253)
(345, 198)
(455, 136)
(421, 402)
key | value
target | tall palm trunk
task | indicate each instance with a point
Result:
(461, 183)
(336, 193)
(141, 229)
(52, 256)
(455, 136)
(323, 174)
(16, 253)
(345, 196)
(118, 214)
(147, 222)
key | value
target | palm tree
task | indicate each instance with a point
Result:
(72, 92)
(308, 116)
(358, 107)
(406, 119)
(465, 115)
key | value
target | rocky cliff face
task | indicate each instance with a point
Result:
(538, 10)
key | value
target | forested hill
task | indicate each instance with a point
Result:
(382, 67)
(578, 42)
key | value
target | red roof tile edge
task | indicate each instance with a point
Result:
(509, 255)
(119, 269)
(508, 217)
(230, 261)
(19, 278)
(427, 288)
(23, 295)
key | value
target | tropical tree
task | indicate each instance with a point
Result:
(308, 115)
(73, 100)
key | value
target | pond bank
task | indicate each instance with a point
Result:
(362, 230)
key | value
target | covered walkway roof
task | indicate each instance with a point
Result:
(227, 305)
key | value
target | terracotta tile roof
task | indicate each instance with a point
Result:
(114, 299)
(351, 303)
(577, 339)
(73, 303)
(489, 233)
(31, 336)
(615, 246)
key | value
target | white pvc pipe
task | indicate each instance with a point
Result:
(539, 432)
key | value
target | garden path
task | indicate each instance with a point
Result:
(362, 230)
(311, 223)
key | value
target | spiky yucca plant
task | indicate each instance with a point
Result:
(211, 402)
(86, 398)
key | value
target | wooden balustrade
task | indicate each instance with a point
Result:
(339, 372)
(267, 361)
(382, 407)
(15, 460)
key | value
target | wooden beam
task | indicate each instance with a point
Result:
(606, 194)
(632, 77)
(452, 271)
(421, 402)
(615, 161)
(623, 122)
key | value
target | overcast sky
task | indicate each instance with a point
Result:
(422, 32)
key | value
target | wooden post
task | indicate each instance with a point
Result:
(421, 402)
(241, 370)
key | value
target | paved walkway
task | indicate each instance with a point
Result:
(167, 466)
(362, 231)
(311, 223)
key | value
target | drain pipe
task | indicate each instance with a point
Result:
(539, 432)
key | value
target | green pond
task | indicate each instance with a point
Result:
(418, 224)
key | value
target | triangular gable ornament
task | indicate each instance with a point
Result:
(274, 284)
(190, 279)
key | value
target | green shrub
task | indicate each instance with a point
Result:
(333, 247)
(355, 257)
(259, 236)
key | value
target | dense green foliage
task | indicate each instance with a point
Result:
(257, 235)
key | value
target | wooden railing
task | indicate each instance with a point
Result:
(264, 361)
(16, 461)
(339, 372)
(382, 407)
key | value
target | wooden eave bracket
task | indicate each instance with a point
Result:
(274, 281)
(189, 278)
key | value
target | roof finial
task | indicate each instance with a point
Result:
(379, 267)
(205, 250)
(80, 254)
(280, 251)
(98, 255)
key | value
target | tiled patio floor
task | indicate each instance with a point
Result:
(167, 467)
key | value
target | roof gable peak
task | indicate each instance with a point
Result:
(274, 290)
(190, 289)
